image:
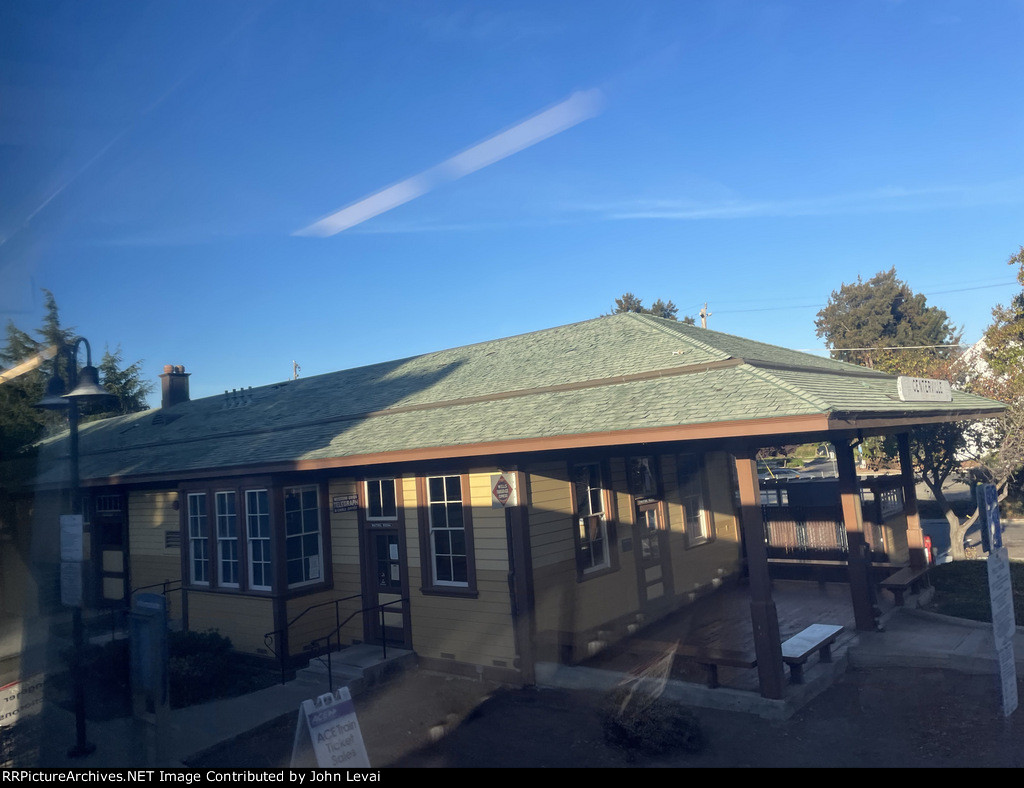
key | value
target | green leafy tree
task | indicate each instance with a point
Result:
(628, 303)
(21, 423)
(125, 383)
(883, 324)
(665, 309)
(1003, 378)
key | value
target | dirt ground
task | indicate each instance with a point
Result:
(869, 718)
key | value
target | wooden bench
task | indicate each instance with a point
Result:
(796, 650)
(906, 579)
(711, 658)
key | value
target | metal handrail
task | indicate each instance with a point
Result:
(337, 630)
(270, 638)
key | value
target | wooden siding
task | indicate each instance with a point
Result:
(243, 619)
(317, 622)
(550, 516)
(150, 516)
(344, 530)
(477, 631)
(576, 616)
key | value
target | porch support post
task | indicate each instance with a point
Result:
(849, 495)
(763, 614)
(915, 536)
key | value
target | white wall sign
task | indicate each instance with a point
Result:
(923, 389)
(328, 726)
(71, 537)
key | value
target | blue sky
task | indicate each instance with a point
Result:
(177, 172)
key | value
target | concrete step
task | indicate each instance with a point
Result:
(357, 667)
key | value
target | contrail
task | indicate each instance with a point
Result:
(578, 107)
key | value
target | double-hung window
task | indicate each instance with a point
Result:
(591, 518)
(448, 545)
(227, 539)
(257, 523)
(303, 547)
(697, 521)
(198, 540)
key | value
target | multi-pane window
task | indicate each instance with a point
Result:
(448, 545)
(227, 539)
(257, 518)
(696, 519)
(302, 535)
(381, 501)
(198, 539)
(591, 521)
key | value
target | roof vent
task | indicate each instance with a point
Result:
(237, 398)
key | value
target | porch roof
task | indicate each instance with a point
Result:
(620, 379)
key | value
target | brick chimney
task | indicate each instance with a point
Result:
(174, 385)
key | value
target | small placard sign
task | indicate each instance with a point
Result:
(923, 389)
(503, 490)
(345, 503)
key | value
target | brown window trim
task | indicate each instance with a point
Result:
(427, 584)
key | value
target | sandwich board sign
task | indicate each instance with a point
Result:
(328, 732)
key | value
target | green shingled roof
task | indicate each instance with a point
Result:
(614, 374)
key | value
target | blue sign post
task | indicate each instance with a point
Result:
(988, 508)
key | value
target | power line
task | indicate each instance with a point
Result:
(881, 347)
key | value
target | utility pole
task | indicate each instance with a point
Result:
(704, 315)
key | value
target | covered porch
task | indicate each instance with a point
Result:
(723, 618)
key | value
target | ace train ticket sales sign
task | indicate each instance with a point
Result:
(328, 726)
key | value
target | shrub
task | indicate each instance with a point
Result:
(199, 667)
(649, 726)
(961, 590)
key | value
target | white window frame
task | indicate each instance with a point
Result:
(436, 529)
(198, 537)
(259, 516)
(227, 539)
(312, 571)
(585, 510)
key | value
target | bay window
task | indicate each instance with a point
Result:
(249, 537)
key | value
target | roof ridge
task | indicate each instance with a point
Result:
(764, 374)
(657, 324)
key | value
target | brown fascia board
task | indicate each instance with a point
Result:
(784, 425)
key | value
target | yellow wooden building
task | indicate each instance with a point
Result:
(488, 507)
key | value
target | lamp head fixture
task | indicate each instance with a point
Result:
(54, 398)
(89, 390)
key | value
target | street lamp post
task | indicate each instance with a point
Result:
(83, 388)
